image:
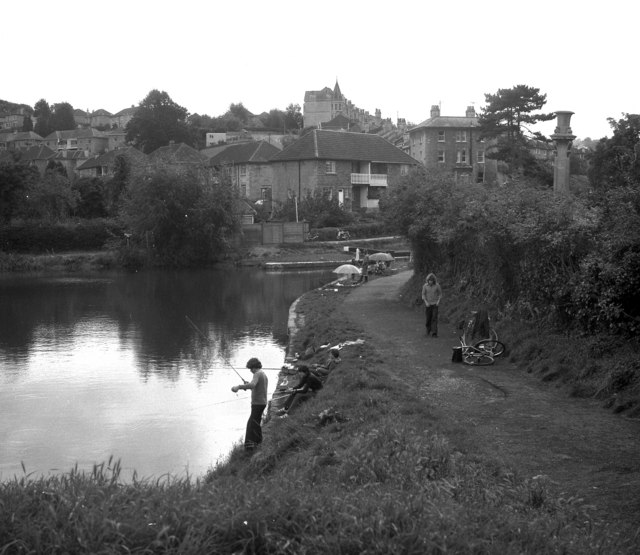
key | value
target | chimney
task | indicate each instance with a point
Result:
(435, 111)
(471, 112)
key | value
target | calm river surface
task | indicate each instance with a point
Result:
(135, 366)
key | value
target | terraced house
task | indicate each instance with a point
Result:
(352, 167)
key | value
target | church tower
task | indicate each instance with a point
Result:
(337, 106)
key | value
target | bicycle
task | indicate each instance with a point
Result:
(484, 351)
(343, 235)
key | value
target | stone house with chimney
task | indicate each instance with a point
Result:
(353, 167)
(454, 144)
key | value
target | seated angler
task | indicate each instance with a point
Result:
(308, 386)
(323, 370)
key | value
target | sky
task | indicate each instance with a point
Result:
(399, 56)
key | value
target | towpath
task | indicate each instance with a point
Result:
(578, 447)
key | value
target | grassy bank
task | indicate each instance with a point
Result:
(62, 262)
(363, 468)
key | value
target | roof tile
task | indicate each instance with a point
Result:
(323, 144)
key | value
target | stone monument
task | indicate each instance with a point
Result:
(562, 137)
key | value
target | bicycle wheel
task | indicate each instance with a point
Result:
(476, 358)
(491, 347)
(493, 334)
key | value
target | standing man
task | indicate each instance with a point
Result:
(431, 295)
(258, 387)
(365, 266)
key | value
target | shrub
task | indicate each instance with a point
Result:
(76, 235)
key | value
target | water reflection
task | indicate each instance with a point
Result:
(138, 366)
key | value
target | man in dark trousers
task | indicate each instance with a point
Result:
(258, 387)
(308, 386)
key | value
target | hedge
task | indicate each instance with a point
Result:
(40, 237)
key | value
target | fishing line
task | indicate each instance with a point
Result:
(193, 325)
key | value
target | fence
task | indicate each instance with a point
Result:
(274, 233)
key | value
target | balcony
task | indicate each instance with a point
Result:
(373, 179)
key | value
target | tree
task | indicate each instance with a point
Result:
(240, 112)
(114, 188)
(15, 180)
(507, 120)
(42, 112)
(275, 119)
(318, 208)
(91, 197)
(27, 123)
(158, 121)
(52, 198)
(615, 161)
(293, 117)
(187, 218)
(62, 117)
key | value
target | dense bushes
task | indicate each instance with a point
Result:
(564, 260)
(41, 236)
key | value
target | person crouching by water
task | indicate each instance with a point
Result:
(258, 386)
(308, 386)
(431, 295)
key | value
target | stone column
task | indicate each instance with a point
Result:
(562, 138)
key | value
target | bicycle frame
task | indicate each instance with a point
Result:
(475, 356)
(480, 352)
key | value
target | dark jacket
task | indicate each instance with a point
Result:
(309, 382)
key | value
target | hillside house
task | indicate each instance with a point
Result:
(247, 164)
(454, 144)
(89, 140)
(352, 167)
(16, 140)
(105, 164)
(36, 156)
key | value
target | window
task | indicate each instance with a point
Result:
(441, 136)
(265, 193)
(480, 157)
(404, 169)
(441, 156)
(461, 157)
(461, 136)
(327, 192)
(243, 169)
(480, 176)
(330, 166)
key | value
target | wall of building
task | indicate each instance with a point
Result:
(259, 176)
(426, 146)
(316, 112)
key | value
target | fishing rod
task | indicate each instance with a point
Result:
(207, 340)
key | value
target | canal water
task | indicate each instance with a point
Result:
(137, 367)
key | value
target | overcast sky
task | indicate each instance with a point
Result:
(398, 56)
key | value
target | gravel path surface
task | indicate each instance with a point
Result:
(578, 447)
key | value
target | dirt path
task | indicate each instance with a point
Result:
(533, 426)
